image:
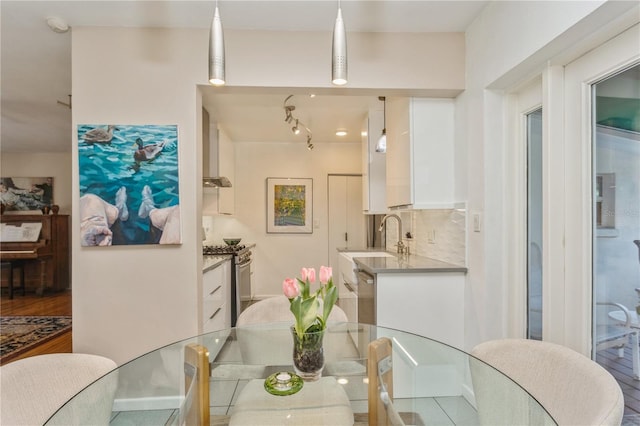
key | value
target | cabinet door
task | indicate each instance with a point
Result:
(399, 152)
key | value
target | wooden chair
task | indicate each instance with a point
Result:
(572, 388)
(196, 384)
(380, 375)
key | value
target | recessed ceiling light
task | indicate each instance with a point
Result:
(364, 133)
(341, 132)
(57, 25)
(312, 95)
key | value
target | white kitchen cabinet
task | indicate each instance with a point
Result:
(429, 304)
(374, 166)
(420, 153)
(216, 298)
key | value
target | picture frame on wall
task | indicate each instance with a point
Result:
(129, 182)
(289, 205)
(26, 194)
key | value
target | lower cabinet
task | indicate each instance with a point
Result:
(429, 304)
(216, 298)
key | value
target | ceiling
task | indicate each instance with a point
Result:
(35, 62)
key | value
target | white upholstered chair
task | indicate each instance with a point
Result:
(321, 402)
(33, 389)
(573, 389)
(274, 348)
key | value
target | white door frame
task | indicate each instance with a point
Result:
(520, 102)
(616, 54)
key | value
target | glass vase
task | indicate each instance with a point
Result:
(308, 355)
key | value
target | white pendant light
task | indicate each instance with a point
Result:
(216, 51)
(339, 52)
(381, 146)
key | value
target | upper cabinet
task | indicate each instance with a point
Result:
(373, 165)
(420, 153)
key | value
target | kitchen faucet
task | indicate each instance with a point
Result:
(402, 249)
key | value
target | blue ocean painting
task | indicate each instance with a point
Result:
(126, 172)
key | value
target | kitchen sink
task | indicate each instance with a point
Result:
(348, 266)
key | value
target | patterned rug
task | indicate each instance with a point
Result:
(21, 333)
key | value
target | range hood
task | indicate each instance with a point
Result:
(210, 146)
(216, 182)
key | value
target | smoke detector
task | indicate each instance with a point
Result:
(57, 25)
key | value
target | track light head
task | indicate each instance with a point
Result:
(295, 129)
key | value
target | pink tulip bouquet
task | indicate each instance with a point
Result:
(305, 305)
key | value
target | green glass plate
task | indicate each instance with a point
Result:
(283, 383)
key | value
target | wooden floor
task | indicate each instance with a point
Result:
(53, 304)
(621, 369)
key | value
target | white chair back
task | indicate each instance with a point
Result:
(33, 389)
(573, 389)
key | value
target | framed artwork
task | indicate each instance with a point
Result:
(289, 205)
(129, 184)
(24, 194)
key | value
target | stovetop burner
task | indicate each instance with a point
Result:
(222, 249)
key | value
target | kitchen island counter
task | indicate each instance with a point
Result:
(401, 263)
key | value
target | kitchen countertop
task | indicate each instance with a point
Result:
(401, 263)
(213, 261)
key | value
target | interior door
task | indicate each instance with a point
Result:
(346, 220)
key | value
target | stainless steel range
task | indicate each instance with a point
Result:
(241, 276)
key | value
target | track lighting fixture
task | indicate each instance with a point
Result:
(339, 51)
(216, 51)
(299, 125)
(381, 146)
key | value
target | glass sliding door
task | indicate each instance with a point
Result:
(615, 198)
(534, 225)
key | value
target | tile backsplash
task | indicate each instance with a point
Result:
(438, 234)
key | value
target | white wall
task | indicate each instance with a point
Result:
(431, 62)
(131, 299)
(278, 256)
(509, 43)
(56, 165)
(144, 76)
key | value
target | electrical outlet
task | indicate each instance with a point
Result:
(431, 236)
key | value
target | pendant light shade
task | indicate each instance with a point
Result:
(339, 52)
(381, 146)
(216, 51)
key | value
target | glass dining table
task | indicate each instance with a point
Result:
(219, 378)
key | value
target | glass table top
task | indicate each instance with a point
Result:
(431, 383)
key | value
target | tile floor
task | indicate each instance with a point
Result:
(431, 411)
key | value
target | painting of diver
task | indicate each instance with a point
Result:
(129, 185)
